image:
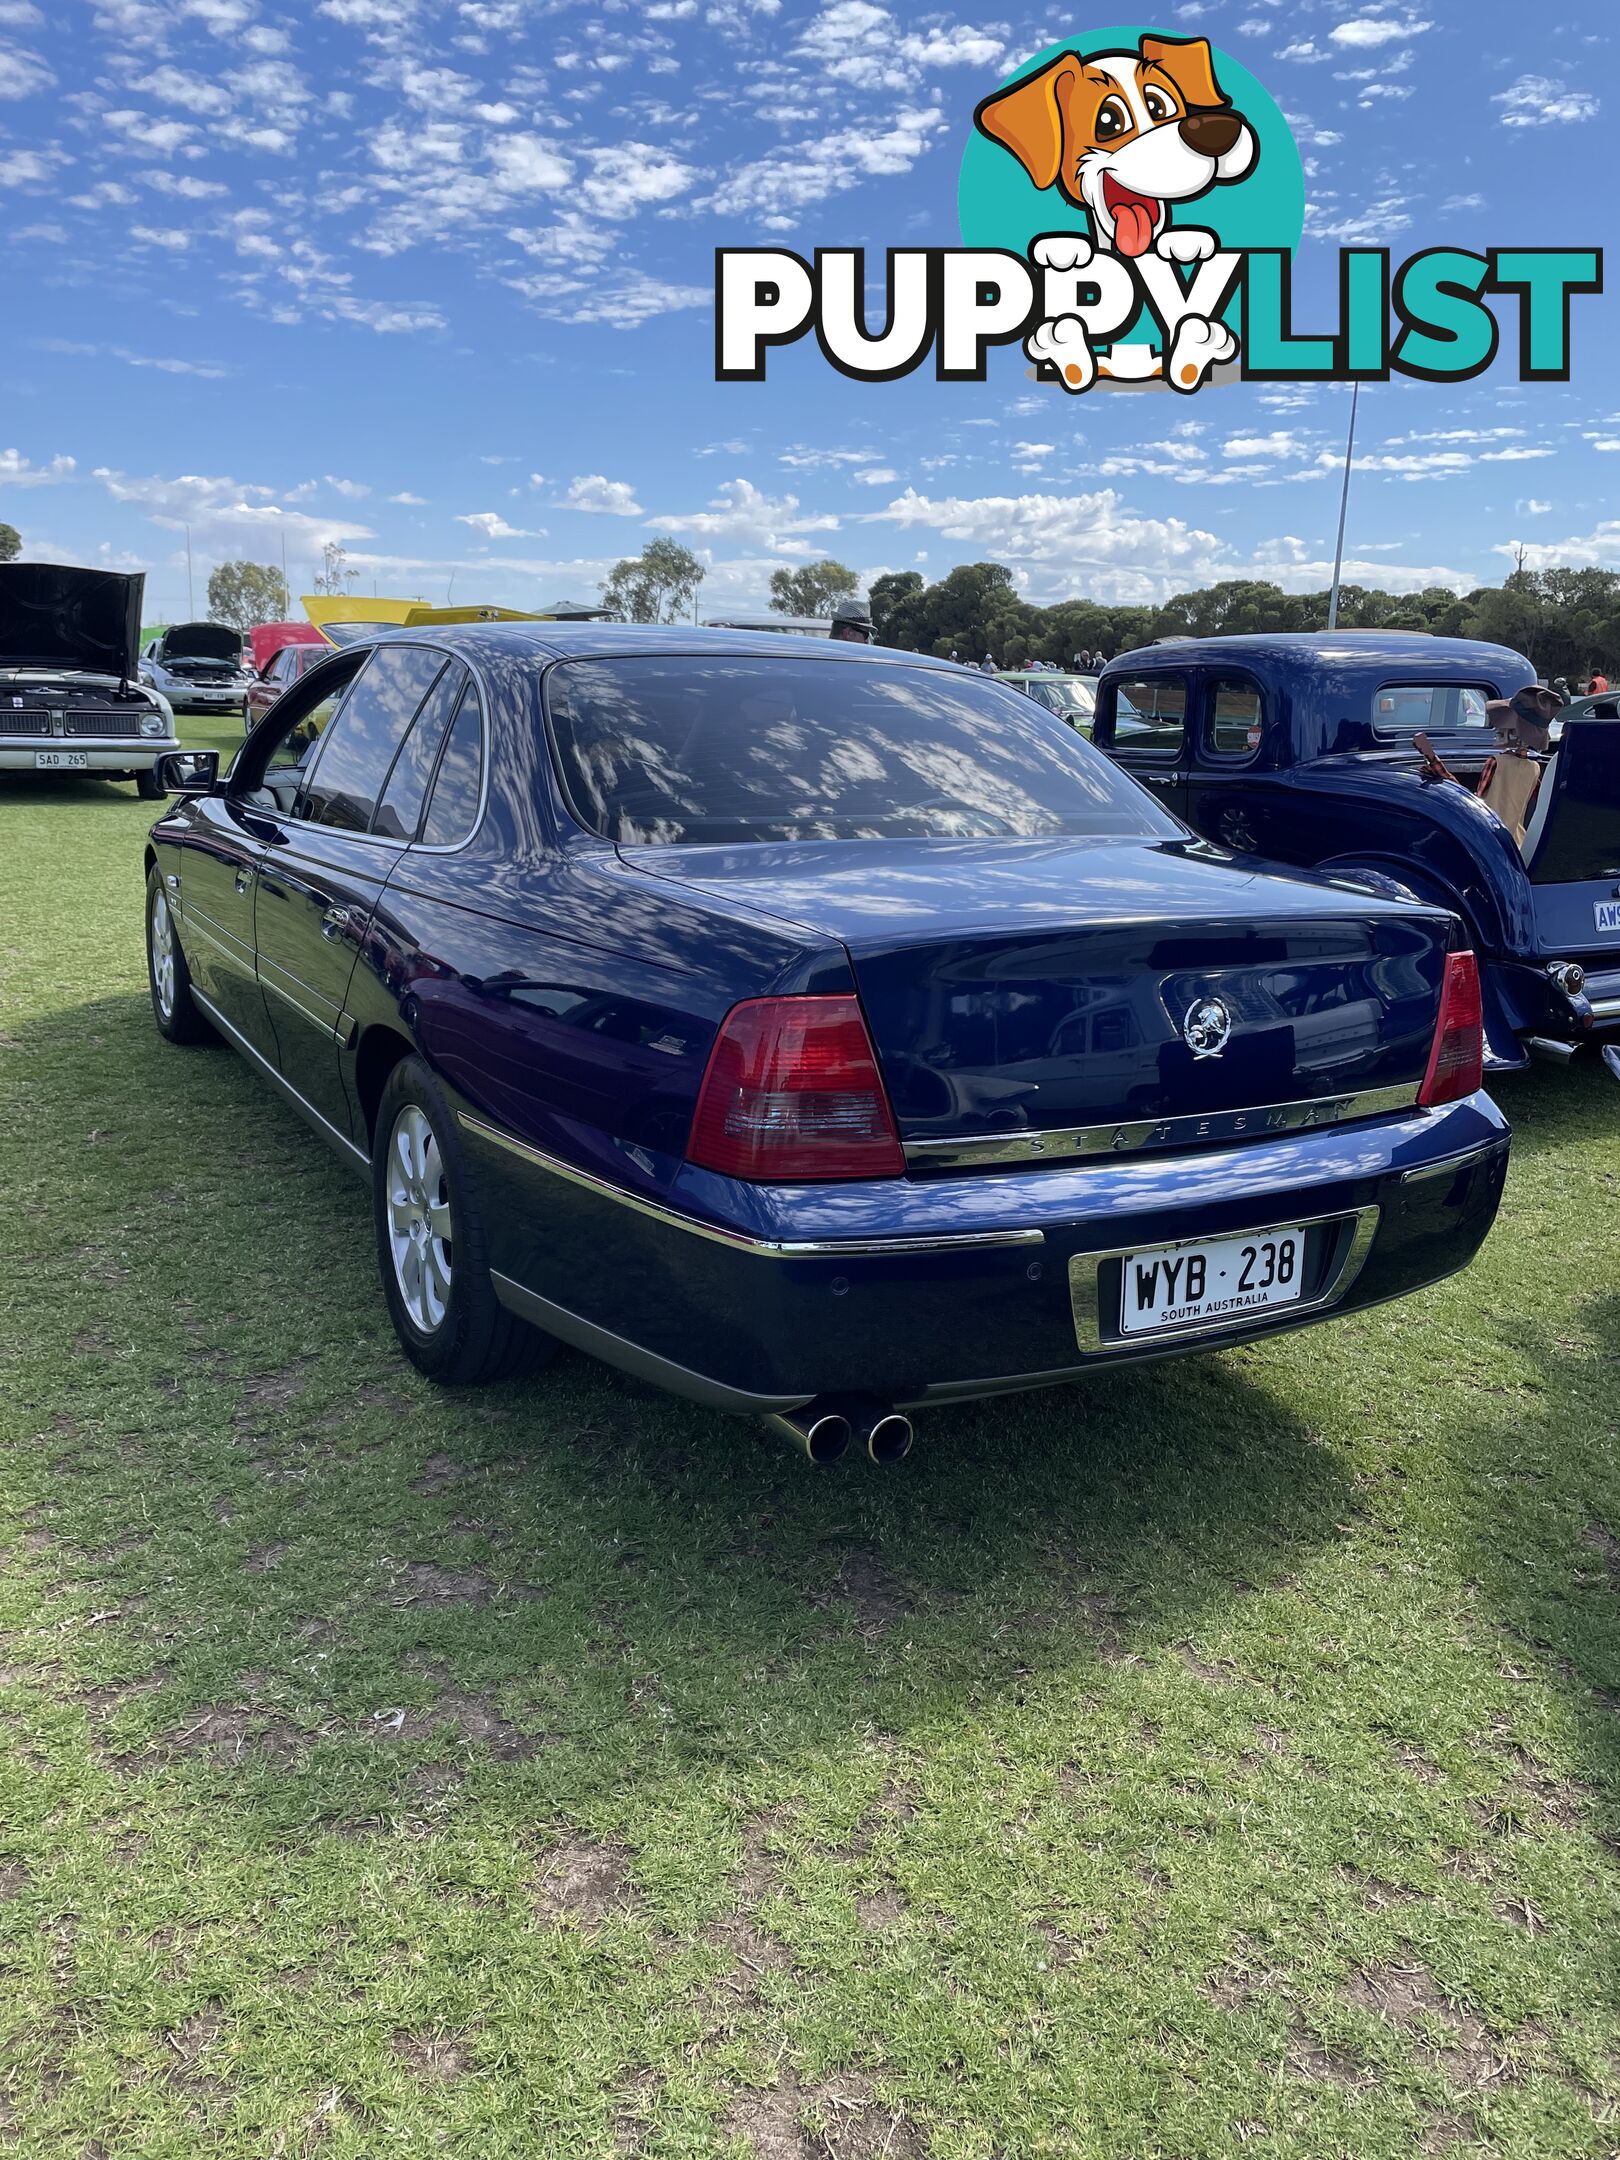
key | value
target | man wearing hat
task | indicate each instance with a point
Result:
(852, 622)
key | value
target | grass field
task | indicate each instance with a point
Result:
(1222, 1756)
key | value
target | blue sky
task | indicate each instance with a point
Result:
(432, 278)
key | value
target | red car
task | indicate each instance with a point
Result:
(283, 671)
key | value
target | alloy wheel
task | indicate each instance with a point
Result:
(163, 955)
(419, 1219)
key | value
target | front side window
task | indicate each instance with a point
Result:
(689, 750)
(293, 746)
(355, 762)
(1150, 715)
(1233, 717)
(1435, 708)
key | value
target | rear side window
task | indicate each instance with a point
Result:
(1436, 708)
(361, 743)
(1233, 717)
(400, 810)
(454, 805)
(1150, 715)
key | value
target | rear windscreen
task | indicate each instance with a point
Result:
(1435, 708)
(684, 750)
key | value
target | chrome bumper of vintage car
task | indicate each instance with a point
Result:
(132, 755)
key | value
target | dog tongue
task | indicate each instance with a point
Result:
(1133, 226)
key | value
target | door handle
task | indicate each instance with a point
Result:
(334, 922)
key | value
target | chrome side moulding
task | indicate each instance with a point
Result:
(1085, 1291)
(1066, 1144)
(739, 1240)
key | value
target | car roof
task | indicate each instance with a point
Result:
(1415, 654)
(617, 641)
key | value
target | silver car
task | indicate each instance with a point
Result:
(198, 668)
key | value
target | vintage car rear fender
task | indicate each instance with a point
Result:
(1432, 836)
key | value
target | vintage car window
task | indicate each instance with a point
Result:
(343, 787)
(693, 749)
(1436, 708)
(1233, 717)
(399, 810)
(453, 810)
(1150, 715)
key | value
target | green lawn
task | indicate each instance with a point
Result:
(1220, 1756)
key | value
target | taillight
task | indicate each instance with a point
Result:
(792, 1093)
(1457, 1060)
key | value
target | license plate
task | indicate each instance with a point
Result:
(1607, 916)
(1180, 1286)
(61, 761)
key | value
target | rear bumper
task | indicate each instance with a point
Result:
(922, 1291)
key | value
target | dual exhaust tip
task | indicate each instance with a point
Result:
(826, 1429)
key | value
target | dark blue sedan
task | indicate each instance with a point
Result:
(816, 1031)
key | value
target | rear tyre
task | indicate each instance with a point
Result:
(432, 1247)
(148, 786)
(179, 1017)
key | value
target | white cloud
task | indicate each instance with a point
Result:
(23, 74)
(162, 236)
(593, 491)
(192, 93)
(1598, 549)
(410, 501)
(1536, 101)
(493, 526)
(622, 303)
(1364, 32)
(19, 472)
(1532, 506)
(1280, 443)
(741, 512)
(29, 168)
(771, 190)
(227, 514)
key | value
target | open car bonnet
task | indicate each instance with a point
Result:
(53, 617)
(200, 641)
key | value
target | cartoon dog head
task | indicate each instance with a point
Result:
(1124, 134)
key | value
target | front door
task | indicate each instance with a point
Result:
(1226, 748)
(1149, 737)
(217, 869)
(325, 867)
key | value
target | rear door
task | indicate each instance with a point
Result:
(1224, 747)
(1149, 732)
(323, 871)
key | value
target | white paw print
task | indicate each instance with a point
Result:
(1199, 345)
(1185, 244)
(1062, 251)
(1062, 344)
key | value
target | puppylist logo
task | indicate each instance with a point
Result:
(1130, 205)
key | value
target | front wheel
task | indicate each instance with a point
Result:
(179, 1018)
(432, 1246)
(148, 786)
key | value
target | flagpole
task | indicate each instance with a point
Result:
(1344, 504)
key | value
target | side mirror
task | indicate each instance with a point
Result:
(189, 772)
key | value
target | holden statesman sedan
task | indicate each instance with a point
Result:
(816, 1031)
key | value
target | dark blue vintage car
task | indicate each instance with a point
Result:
(814, 1031)
(1298, 749)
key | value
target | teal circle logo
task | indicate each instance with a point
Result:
(1124, 136)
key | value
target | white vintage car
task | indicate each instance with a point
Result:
(70, 699)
